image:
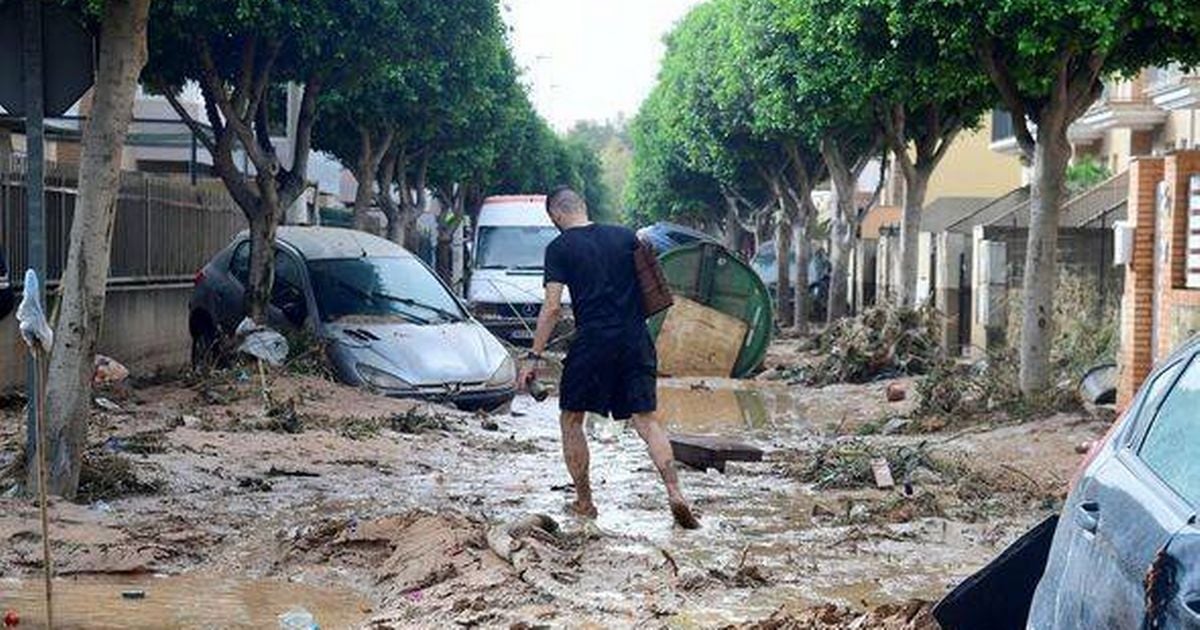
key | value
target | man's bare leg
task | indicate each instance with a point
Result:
(575, 452)
(655, 438)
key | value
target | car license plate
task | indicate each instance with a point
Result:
(521, 334)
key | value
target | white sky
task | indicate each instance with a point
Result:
(589, 59)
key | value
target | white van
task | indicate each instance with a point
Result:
(505, 290)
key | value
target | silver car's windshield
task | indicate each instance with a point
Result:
(513, 246)
(381, 287)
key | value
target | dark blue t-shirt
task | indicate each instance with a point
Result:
(596, 263)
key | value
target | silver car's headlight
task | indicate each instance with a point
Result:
(505, 375)
(381, 379)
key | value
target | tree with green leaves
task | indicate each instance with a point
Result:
(662, 187)
(802, 90)
(450, 75)
(706, 112)
(121, 26)
(237, 50)
(609, 143)
(923, 91)
(1048, 62)
(357, 126)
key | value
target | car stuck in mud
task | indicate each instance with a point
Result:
(386, 321)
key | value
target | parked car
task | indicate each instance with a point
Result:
(664, 236)
(505, 288)
(388, 322)
(764, 263)
(1126, 551)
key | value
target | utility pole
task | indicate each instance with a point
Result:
(34, 178)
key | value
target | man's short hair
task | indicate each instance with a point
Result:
(565, 199)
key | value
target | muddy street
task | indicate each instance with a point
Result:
(370, 511)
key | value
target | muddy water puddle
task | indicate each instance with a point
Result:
(754, 515)
(185, 601)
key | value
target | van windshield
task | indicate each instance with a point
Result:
(513, 246)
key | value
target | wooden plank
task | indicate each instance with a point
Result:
(699, 341)
(703, 451)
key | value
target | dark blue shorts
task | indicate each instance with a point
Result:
(610, 375)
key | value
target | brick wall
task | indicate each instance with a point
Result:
(1158, 311)
(1137, 304)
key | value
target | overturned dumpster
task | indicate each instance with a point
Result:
(721, 322)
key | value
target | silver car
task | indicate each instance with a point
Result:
(387, 321)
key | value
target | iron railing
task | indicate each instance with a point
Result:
(165, 228)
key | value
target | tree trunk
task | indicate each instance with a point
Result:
(449, 217)
(362, 201)
(843, 228)
(364, 174)
(841, 244)
(916, 183)
(800, 299)
(783, 256)
(262, 264)
(445, 255)
(386, 178)
(733, 227)
(1051, 155)
(85, 279)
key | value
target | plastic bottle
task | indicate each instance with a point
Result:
(298, 619)
(539, 390)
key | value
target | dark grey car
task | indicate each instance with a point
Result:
(387, 321)
(1126, 552)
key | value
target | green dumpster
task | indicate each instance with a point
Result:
(707, 273)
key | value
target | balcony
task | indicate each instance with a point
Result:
(1173, 89)
(1140, 114)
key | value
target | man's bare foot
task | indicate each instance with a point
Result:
(582, 509)
(683, 515)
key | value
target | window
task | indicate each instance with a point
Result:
(1152, 395)
(1172, 445)
(287, 294)
(513, 247)
(239, 264)
(288, 275)
(389, 288)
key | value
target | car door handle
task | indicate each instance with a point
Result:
(1087, 516)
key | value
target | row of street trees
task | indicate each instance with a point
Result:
(760, 101)
(416, 97)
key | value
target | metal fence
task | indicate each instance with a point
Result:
(165, 228)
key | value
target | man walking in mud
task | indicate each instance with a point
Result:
(611, 366)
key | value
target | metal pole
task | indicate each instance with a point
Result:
(34, 186)
(192, 162)
(40, 363)
(36, 235)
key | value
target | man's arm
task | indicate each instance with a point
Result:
(547, 320)
(548, 316)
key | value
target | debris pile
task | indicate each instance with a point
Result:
(105, 476)
(956, 391)
(911, 615)
(851, 463)
(882, 342)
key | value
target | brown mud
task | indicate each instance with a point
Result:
(383, 513)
